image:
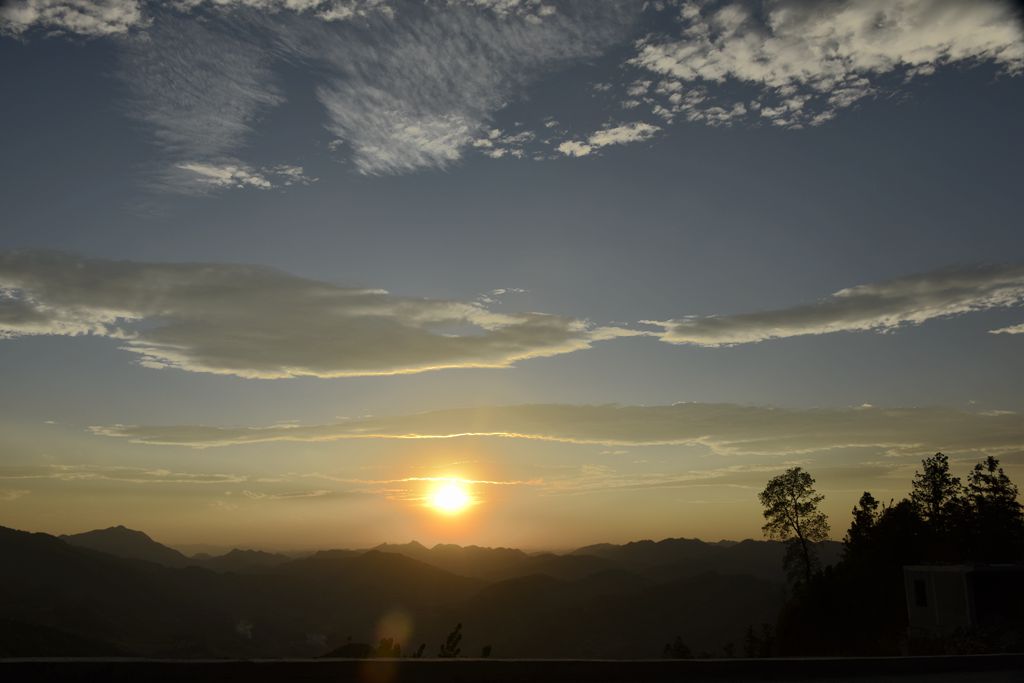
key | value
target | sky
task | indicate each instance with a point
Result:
(272, 271)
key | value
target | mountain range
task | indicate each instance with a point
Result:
(118, 591)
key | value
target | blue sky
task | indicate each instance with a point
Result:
(245, 214)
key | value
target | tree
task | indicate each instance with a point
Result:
(990, 489)
(791, 510)
(935, 492)
(865, 516)
(750, 642)
(997, 521)
(677, 649)
(451, 646)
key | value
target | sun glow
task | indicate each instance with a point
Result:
(450, 498)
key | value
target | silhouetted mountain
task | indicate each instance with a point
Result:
(128, 543)
(495, 564)
(545, 605)
(241, 561)
(483, 563)
(335, 554)
(681, 557)
(153, 610)
(394, 577)
(19, 639)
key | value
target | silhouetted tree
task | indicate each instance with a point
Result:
(858, 607)
(767, 643)
(750, 641)
(934, 491)
(997, 528)
(451, 647)
(485, 652)
(865, 515)
(419, 651)
(791, 510)
(759, 645)
(677, 649)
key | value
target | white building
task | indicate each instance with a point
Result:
(942, 599)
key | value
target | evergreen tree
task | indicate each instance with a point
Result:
(865, 516)
(677, 649)
(935, 491)
(750, 642)
(997, 521)
(451, 647)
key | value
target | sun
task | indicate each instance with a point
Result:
(450, 498)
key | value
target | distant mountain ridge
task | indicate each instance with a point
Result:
(241, 561)
(667, 558)
(75, 596)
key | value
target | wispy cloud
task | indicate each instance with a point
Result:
(887, 305)
(115, 473)
(257, 322)
(286, 487)
(724, 428)
(287, 495)
(1013, 329)
(421, 96)
(201, 88)
(407, 85)
(802, 62)
(194, 176)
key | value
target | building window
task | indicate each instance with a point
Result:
(920, 593)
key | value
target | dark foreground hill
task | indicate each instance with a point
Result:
(621, 602)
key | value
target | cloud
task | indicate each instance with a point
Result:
(115, 473)
(90, 18)
(194, 176)
(101, 18)
(258, 322)
(287, 495)
(408, 86)
(887, 305)
(417, 91)
(801, 61)
(327, 10)
(724, 428)
(618, 135)
(1013, 329)
(9, 495)
(200, 86)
